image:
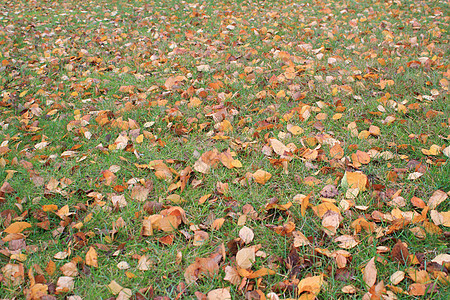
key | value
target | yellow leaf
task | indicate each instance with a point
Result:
(140, 138)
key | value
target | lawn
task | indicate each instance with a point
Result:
(224, 149)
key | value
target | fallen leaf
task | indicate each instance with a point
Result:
(17, 227)
(123, 265)
(300, 239)
(261, 176)
(232, 275)
(370, 273)
(355, 180)
(397, 277)
(246, 234)
(200, 268)
(310, 284)
(114, 287)
(346, 241)
(400, 252)
(200, 238)
(64, 284)
(437, 198)
(417, 289)
(245, 257)
(348, 289)
(219, 294)
(91, 258)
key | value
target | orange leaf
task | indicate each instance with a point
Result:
(310, 285)
(336, 151)
(92, 258)
(355, 180)
(261, 176)
(17, 227)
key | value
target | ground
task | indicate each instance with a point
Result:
(224, 149)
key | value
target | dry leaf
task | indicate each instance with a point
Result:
(346, 241)
(13, 274)
(437, 198)
(64, 284)
(139, 193)
(400, 252)
(442, 259)
(218, 223)
(17, 227)
(310, 284)
(370, 273)
(201, 267)
(348, 289)
(200, 238)
(278, 147)
(300, 239)
(336, 151)
(69, 269)
(232, 275)
(246, 234)
(219, 294)
(114, 287)
(261, 176)
(417, 289)
(91, 258)
(123, 265)
(355, 180)
(330, 221)
(397, 277)
(245, 257)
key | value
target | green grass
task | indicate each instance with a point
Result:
(68, 60)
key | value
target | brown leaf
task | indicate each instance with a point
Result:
(330, 221)
(261, 176)
(13, 274)
(139, 193)
(370, 273)
(144, 263)
(91, 258)
(200, 268)
(51, 267)
(200, 237)
(346, 241)
(65, 284)
(246, 234)
(245, 257)
(218, 223)
(400, 252)
(300, 239)
(437, 198)
(219, 294)
(69, 269)
(336, 151)
(397, 277)
(278, 147)
(417, 202)
(232, 275)
(417, 289)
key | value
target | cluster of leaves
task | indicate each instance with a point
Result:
(257, 150)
